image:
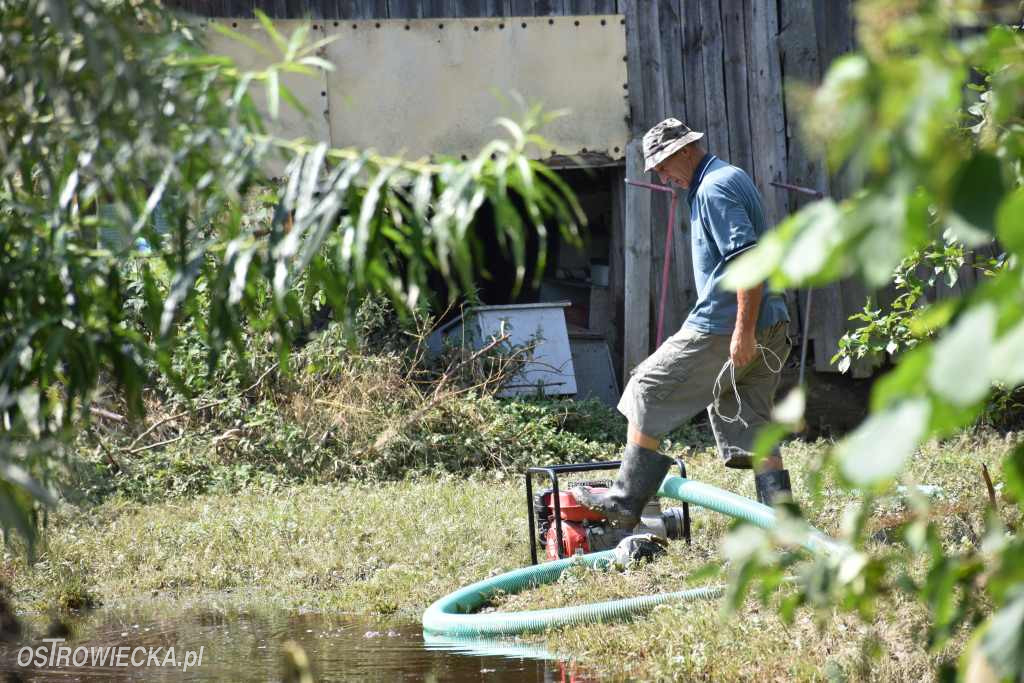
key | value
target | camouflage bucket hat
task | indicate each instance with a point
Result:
(665, 139)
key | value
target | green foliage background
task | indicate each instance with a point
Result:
(930, 130)
(110, 112)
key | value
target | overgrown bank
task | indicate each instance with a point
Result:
(393, 547)
(379, 409)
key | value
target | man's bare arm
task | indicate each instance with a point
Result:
(748, 305)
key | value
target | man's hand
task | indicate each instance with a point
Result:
(744, 342)
(741, 350)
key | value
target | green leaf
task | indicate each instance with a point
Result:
(28, 405)
(877, 451)
(978, 190)
(754, 266)
(1013, 473)
(768, 437)
(1003, 642)
(817, 238)
(1007, 361)
(69, 189)
(255, 45)
(17, 476)
(296, 40)
(959, 371)
(317, 62)
(16, 513)
(790, 410)
(292, 101)
(275, 35)
(1010, 222)
(273, 94)
(905, 380)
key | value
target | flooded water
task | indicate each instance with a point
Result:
(247, 645)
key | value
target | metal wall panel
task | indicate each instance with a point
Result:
(423, 87)
(311, 90)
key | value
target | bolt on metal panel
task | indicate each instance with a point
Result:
(310, 90)
(435, 86)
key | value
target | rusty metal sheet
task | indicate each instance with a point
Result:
(310, 90)
(435, 86)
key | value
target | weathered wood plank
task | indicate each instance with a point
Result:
(637, 265)
(716, 136)
(581, 6)
(800, 64)
(651, 73)
(543, 8)
(616, 271)
(240, 8)
(735, 69)
(680, 279)
(826, 323)
(674, 79)
(492, 8)
(362, 9)
(649, 108)
(836, 38)
(404, 9)
(519, 8)
(434, 8)
(658, 223)
(680, 295)
(693, 67)
(634, 69)
(467, 8)
(798, 42)
(395, 9)
(767, 117)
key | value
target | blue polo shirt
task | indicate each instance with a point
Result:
(726, 220)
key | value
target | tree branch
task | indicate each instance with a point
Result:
(131, 447)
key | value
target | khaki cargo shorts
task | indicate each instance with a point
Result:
(677, 381)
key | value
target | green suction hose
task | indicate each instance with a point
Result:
(453, 615)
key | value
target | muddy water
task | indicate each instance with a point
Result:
(246, 645)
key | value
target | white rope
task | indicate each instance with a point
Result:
(717, 389)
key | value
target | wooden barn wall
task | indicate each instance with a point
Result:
(722, 66)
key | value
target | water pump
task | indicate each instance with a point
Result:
(579, 529)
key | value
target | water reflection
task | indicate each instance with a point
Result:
(245, 644)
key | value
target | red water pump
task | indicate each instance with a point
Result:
(582, 530)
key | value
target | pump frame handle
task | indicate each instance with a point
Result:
(552, 471)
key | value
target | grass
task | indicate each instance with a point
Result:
(392, 547)
(284, 493)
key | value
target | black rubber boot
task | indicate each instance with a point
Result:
(773, 487)
(640, 476)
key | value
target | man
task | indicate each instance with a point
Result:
(747, 328)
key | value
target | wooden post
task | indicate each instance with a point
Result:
(637, 238)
